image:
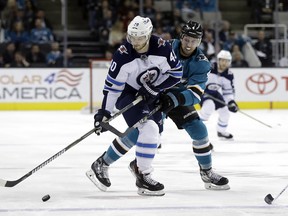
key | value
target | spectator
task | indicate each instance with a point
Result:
(29, 14)
(263, 48)
(8, 55)
(53, 55)
(40, 14)
(233, 39)
(17, 35)
(238, 60)
(208, 46)
(19, 60)
(41, 34)
(116, 35)
(35, 56)
(60, 61)
(262, 11)
(224, 32)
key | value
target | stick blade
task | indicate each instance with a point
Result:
(269, 199)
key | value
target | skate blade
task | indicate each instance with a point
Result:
(91, 175)
(145, 192)
(210, 186)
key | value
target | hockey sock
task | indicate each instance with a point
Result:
(120, 146)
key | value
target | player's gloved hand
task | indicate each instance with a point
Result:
(170, 100)
(148, 92)
(100, 116)
(232, 106)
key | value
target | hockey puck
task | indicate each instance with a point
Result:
(269, 199)
(46, 198)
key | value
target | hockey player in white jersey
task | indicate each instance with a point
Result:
(219, 94)
(144, 65)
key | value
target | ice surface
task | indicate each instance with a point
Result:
(256, 163)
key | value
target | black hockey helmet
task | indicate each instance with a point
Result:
(192, 29)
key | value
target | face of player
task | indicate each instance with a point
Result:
(188, 45)
(140, 44)
(223, 64)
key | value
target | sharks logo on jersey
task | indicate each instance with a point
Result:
(202, 57)
(148, 76)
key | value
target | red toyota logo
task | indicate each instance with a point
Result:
(261, 84)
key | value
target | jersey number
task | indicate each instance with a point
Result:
(172, 56)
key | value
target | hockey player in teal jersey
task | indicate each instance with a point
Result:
(178, 104)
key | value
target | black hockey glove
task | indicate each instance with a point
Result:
(100, 116)
(170, 100)
(148, 92)
(232, 106)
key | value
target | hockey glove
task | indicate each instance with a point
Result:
(100, 116)
(232, 106)
(170, 100)
(149, 93)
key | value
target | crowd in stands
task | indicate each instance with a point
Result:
(28, 36)
(29, 40)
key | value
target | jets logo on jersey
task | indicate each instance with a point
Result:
(161, 42)
(202, 57)
(122, 49)
(148, 76)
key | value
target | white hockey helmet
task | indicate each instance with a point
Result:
(140, 26)
(224, 54)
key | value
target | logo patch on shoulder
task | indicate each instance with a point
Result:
(122, 49)
(161, 42)
(202, 57)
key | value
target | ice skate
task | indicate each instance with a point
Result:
(214, 181)
(98, 174)
(224, 135)
(146, 185)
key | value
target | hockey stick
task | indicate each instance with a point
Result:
(249, 116)
(112, 129)
(6, 183)
(269, 198)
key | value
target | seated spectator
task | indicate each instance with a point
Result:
(262, 11)
(40, 14)
(53, 55)
(238, 61)
(8, 55)
(29, 14)
(233, 39)
(35, 56)
(19, 60)
(60, 61)
(208, 46)
(116, 35)
(263, 48)
(224, 32)
(17, 35)
(41, 34)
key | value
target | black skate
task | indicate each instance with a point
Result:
(225, 135)
(146, 185)
(99, 174)
(214, 181)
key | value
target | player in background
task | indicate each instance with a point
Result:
(178, 105)
(219, 94)
(144, 65)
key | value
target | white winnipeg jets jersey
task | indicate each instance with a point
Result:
(221, 82)
(128, 70)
